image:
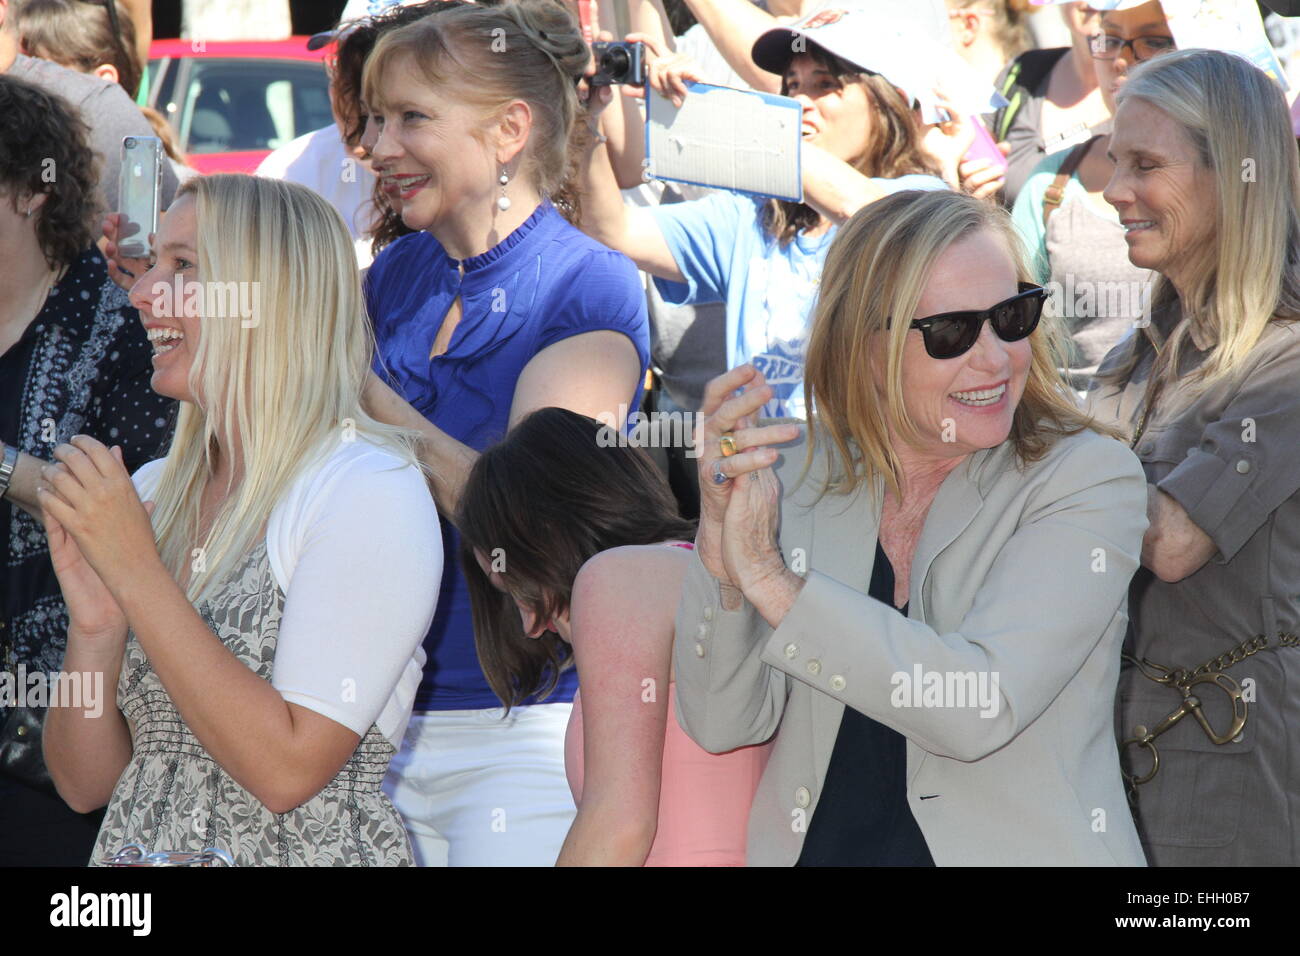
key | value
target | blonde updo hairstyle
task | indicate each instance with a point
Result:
(528, 50)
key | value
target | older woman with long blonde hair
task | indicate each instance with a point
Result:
(1207, 185)
(261, 623)
(929, 618)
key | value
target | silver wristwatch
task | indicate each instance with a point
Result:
(7, 466)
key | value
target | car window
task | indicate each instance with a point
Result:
(162, 86)
(246, 104)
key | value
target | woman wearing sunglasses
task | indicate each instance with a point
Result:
(924, 598)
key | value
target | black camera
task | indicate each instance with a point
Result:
(618, 63)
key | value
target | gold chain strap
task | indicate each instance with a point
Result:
(1180, 678)
(1211, 672)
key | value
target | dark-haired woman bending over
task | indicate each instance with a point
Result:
(569, 543)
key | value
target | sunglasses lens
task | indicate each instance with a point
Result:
(950, 337)
(1016, 320)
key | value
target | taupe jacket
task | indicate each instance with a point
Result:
(1019, 575)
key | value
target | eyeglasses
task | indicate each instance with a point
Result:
(1106, 46)
(951, 334)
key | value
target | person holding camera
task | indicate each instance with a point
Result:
(495, 306)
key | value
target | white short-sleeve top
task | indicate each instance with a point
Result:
(356, 548)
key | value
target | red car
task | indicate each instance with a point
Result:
(231, 103)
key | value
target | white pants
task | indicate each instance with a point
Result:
(476, 790)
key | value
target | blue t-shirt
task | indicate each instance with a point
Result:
(544, 282)
(721, 249)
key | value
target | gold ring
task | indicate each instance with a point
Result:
(728, 444)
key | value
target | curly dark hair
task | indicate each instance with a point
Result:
(44, 148)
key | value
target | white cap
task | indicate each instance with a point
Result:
(357, 11)
(851, 33)
(914, 54)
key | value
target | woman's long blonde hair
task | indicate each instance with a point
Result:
(875, 273)
(283, 383)
(1237, 120)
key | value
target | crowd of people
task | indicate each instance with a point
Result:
(377, 574)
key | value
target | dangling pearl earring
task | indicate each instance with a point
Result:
(503, 203)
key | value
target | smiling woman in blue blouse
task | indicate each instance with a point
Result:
(497, 306)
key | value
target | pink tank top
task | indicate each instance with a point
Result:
(704, 798)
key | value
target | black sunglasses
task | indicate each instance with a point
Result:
(951, 334)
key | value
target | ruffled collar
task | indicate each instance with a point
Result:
(511, 242)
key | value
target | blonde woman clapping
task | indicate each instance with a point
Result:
(262, 621)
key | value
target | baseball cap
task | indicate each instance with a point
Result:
(911, 52)
(851, 33)
(356, 12)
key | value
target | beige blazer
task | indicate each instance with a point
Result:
(1019, 580)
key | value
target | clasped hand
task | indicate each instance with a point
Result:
(99, 532)
(740, 514)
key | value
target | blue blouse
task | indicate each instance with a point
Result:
(544, 282)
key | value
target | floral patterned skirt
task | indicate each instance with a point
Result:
(174, 797)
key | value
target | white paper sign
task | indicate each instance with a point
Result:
(728, 139)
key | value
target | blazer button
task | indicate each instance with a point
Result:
(814, 666)
(791, 650)
(704, 631)
(802, 798)
(837, 682)
(708, 614)
(699, 649)
(1243, 467)
(21, 731)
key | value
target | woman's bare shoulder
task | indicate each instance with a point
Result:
(638, 582)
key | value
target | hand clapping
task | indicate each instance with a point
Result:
(739, 493)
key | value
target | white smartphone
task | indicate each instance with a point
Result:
(139, 189)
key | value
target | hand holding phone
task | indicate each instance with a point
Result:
(139, 192)
(123, 270)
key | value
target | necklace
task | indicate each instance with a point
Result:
(19, 328)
